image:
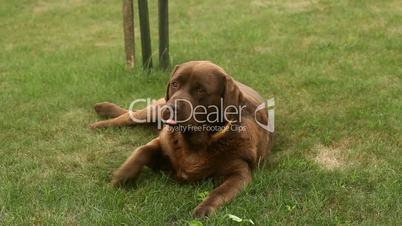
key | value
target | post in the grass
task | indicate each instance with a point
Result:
(145, 34)
(128, 29)
(163, 34)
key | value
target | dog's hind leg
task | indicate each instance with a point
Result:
(132, 167)
(149, 114)
(109, 110)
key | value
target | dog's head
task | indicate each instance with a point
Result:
(198, 92)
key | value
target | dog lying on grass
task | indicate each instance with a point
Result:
(209, 129)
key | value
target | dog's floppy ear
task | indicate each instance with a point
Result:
(232, 95)
(168, 85)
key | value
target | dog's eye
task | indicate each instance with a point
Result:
(174, 85)
(201, 91)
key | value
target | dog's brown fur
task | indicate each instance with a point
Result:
(192, 156)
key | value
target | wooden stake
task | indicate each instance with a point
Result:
(145, 34)
(128, 29)
(163, 34)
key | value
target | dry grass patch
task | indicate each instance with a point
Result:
(328, 158)
(331, 157)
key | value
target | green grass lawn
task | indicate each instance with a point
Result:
(335, 68)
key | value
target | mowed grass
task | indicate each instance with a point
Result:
(334, 67)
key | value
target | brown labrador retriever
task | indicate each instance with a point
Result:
(210, 130)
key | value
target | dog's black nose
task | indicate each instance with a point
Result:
(172, 107)
(169, 111)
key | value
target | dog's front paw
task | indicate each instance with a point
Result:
(117, 180)
(203, 211)
(120, 178)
